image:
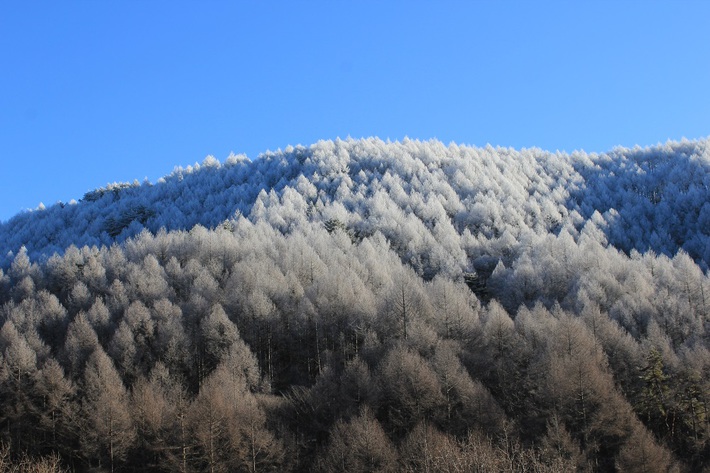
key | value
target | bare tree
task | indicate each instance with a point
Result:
(410, 389)
(357, 446)
(108, 431)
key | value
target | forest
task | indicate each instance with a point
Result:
(362, 305)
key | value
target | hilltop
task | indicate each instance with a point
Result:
(435, 202)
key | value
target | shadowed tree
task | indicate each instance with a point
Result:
(229, 426)
(159, 408)
(51, 323)
(56, 409)
(406, 302)
(455, 308)
(171, 344)
(642, 453)
(358, 446)
(427, 449)
(579, 390)
(409, 390)
(17, 370)
(217, 335)
(655, 403)
(108, 431)
(356, 388)
(80, 343)
(133, 344)
(500, 357)
(468, 403)
(558, 448)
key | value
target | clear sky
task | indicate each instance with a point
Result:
(93, 92)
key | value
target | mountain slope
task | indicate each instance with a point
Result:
(430, 200)
(362, 306)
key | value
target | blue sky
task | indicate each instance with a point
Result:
(94, 92)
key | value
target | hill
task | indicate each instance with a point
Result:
(361, 305)
(655, 198)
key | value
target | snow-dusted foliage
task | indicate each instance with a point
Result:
(368, 306)
(440, 206)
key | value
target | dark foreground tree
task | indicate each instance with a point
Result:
(357, 446)
(107, 431)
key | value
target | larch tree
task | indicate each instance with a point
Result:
(79, 298)
(132, 346)
(99, 317)
(211, 415)
(468, 403)
(81, 341)
(52, 319)
(560, 449)
(428, 449)
(642, 453)
(410, 390)
(108, 430)
(19, 366)
(580, 389)
(171, 343)
(159, 410)
(56, 408)
(147, 279)
(455, 309)
(358, 445)
(217, 335)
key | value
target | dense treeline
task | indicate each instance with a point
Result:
(367, 306)
(245, 349)
(432, 200)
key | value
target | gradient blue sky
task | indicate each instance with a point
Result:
(94, 92)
